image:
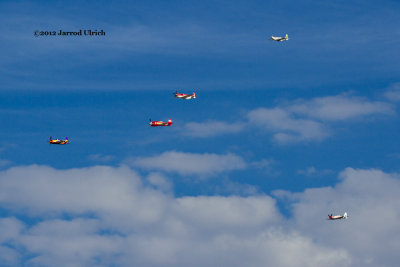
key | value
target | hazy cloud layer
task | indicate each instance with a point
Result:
(191, 163)
(299, 120)
(393, 92)
(100, 158)
(211, 128)
(313, 172)
(340, 107)
(305, 120)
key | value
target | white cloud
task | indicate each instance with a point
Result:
(9, 257)
(191, 163)
(159, 181)
(287, 127)
(115, 219)
(340, 107)
(211, 128)
(79, 191)
(298, 121)
(309, 120)
(72, 243)
(370, 197)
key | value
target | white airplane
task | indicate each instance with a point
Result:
(338, 217)
(280, 39)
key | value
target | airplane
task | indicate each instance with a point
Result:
(160, 123)
(280, 39)
(184, 96)
(58, 141)
(338, 217)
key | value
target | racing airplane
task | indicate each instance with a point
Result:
(337, 217)
(184, 96)
(280, 39)
(58, 141)
(160, 123)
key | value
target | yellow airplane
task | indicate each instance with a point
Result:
(58, 141)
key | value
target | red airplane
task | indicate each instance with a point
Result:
(184, 96)
(338, 217)
(160, 123)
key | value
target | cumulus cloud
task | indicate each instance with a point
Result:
(287, 127)
(190, 163)
(159, 181)
(114, 219)
(309, 120)
(298, 121)
(211, 128)
(107, 216)
(370, 197)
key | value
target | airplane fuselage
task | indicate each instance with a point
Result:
(185, 96)
(58, 142)
(337, 217)
(160, 123)
(279, 39)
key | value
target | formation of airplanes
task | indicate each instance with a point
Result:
(192, 96)
(169, 122)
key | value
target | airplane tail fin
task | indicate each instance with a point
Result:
(66, 138)
(345, 215)
(169, 122)
(194, 95)
(287, 37)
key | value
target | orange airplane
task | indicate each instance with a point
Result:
(58, 141)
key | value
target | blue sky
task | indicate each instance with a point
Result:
(277, 130)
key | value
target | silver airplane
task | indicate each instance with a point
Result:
(280, 39)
